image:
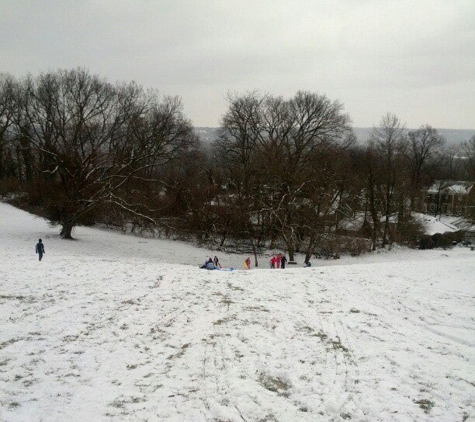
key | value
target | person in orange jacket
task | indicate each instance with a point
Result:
(247, 263)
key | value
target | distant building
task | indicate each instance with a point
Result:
(451, 197)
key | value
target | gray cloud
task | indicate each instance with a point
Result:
(413, 58)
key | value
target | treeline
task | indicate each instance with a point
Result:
(79, 150)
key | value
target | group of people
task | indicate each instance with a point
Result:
(278, 261)
(211, 263)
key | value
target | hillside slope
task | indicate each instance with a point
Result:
(119, 328)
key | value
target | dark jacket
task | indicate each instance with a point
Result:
(40, 248)
(283, 261)
(210, 265)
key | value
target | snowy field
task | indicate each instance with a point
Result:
(118, 328)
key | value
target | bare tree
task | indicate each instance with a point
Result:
(309, 125)
(94, 140)
(469, 150)
(424, 154)
(276, 144)
(387, 146)
(241, 128)
(8, 166)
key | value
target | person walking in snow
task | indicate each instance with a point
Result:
(40, 249)
(247, 263)
(283, 260)
(272, 262)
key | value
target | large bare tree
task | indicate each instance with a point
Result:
(94, 140)
(271, 147)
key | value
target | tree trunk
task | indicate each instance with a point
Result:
(290, 250)
(66, 230)
(254, 250)
(386, 231)
(311, 247)
(223, 239)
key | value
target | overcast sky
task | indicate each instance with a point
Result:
(415, 58)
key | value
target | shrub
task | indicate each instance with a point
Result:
(441, 240)
(331, 246)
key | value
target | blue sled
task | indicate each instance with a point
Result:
(225, 269)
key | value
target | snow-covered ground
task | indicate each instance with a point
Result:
(433, 225)
(118, 328)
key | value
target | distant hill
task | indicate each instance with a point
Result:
(207, 134)
(453, 136)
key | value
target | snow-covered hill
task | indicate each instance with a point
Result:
(119, 328)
